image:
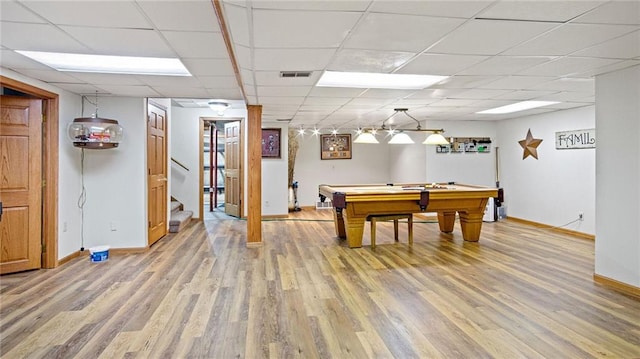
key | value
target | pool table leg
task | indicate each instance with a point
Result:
(446, 221)
(355, 230)
(471, 223)
(338, 221)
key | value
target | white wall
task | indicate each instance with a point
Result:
(618, 176)
(115, 212)
(407, 163)
(557, 186)
(369, 164)
(275, 189)
(467, 167)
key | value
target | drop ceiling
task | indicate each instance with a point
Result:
(494, 52)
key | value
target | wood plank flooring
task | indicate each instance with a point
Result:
(521, 292)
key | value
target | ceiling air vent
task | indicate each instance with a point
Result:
(295, 73)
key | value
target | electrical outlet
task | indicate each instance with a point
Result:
(581, 216)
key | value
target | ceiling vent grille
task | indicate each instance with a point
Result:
(295, 73)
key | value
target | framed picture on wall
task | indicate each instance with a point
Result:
(335, 147)
(271, 143)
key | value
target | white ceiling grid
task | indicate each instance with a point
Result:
(495, 52)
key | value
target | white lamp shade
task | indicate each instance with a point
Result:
(401, 138)
(366, 137)
(435, 139)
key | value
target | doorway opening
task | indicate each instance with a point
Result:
(213, 167)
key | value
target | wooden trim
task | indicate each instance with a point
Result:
(617, 285)
(275, 216)
(229, 45)
(68, 258)
(201, 166)
(555, 229)
(50, 160)
(254, 180)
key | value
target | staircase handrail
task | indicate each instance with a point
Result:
(179, 164)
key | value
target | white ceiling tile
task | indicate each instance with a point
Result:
(106, 79)
(80, 89)
(131, 91)
(624, 47)
(181, 15)
(113, 14)
(197, 44)
(481, 93)
(184, 92)
(23, 36)
(368, 102)
(523, 95)
(434, 93)
(412, 103)
(461, 9)
(463, 82)
(209, 67)
(608, 68)
(613, 12)
(49, 75)
(291, 29)
(396, 32)
(517, 82)
(283, 91)
(567, 66)
(12, 60)
(437, 64)
(335, 92)
(568, 84)
(292, 59)
(453, 102)
(386, 93)
(218, 81)
(111, 41)
(243, 58)
(326, 101)
(237, 21)
(229, 94)
(178, 81)
(569, 38)
(565, 96)
(13, 11)
(343, 5)
(488, 37)
(560, 11)
(505, 65)
(280, 100)
(369, 60)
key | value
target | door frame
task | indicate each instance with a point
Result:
(201, 162)
(50, 135)
(165, 163)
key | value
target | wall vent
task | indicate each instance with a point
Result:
(324, 205)
(295, 73)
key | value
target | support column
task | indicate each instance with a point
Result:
(254, 178)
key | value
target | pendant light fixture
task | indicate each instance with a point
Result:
(399, 136)
(95, 132)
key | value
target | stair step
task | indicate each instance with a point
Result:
(176, 206)
(179, 220)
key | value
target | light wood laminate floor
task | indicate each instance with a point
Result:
(521, 292)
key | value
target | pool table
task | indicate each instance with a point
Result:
(352, 204)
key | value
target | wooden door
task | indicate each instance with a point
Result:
(20, 184)
(232, 169)
(157, 171)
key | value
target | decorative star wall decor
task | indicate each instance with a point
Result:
(530, 146)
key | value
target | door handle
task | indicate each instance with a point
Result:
(0, 211)
(164, 179)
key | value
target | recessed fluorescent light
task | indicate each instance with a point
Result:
(519, 106)
(109, 64)
(377, 80)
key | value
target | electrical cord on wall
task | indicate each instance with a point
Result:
(82, 199)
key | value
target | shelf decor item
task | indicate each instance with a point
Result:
(95, 132)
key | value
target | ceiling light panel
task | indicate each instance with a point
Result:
(377, 80)
(516, 107)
